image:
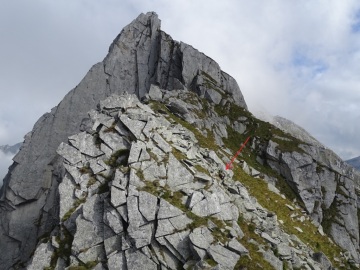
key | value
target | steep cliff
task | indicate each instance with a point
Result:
(128, 172)
(140, 55)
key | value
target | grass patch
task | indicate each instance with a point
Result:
(276, 204)
(119, 158)
(76, 204)
(64, 250)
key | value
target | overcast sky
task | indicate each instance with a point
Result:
(297, 59)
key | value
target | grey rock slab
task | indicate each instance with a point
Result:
(112, 244)
(178, 106)
(208, 206)
(164, 227)
(123, 212)
(141, 236)
(226, 212)
(136, 260)
(121, 180)
(223, 256)
(180, 222)
(119, 102)
(85, 143)
(201, 237)
(239, 127)
(134, 126)
(238, 230)
(99, 266)
(237, 247)
(93, 210)
(173, 251)
(138, 114)
(106, 149)
(95, 166)
(73, 171)
(66, 193)
(87, 235)
(135, 218)
(167, 210)
(161, 143)
(180, 241)
(100, 119)
(216, 159)
(249, 206)
(202, 177)
(270, 239)
(152, 171)
(135, 151)
(92, 254)
(117, 261)
(195, 198)
(221, 194)
(151, 125)
(155, 93)
(150, 254)
(147, 205)
(70, 153)
(198, 252)
(166, 258)
(118, 196)
(42, 257)
(284, 250)
(113, 140)
(113, 219)
(134, 180)
(272, 259)
(213, 96)
(322, 260)
(125, 243)
(177, 173)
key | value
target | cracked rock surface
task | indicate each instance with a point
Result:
(123, 218)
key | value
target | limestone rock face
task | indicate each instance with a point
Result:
(140, 55)
(123, 217)
(325, 184)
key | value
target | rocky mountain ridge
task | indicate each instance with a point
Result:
(10, 149)
(355, 162)
(140, 192)
(130, 183)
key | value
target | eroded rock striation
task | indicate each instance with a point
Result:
(128, 172)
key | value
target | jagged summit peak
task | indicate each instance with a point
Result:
(140, 56)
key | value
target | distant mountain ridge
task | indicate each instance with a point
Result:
(355, 162)
(10, 149)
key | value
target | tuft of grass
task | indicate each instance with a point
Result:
(113, 160)
(72, 209)
(92, 181)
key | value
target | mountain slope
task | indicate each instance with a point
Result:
(105, 180)
(140, 55)
(141, 191)
(355, 162)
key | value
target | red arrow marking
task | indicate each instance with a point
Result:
(229, 165)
